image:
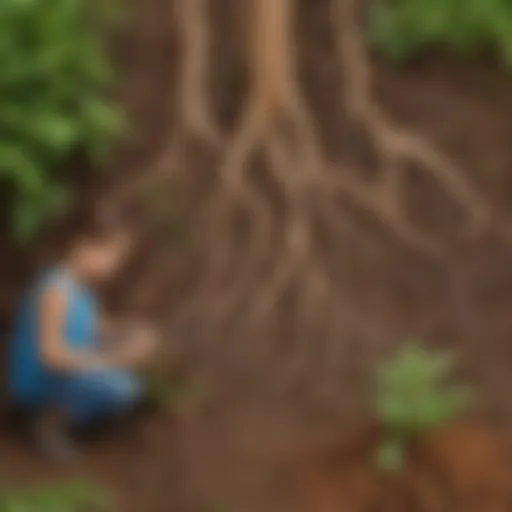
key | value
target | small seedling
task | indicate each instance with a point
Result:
(413, 396)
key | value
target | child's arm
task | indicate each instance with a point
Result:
(55, 354)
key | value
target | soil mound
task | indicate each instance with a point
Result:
(466, 467)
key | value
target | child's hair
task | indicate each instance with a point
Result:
(94, 228)
(101, 225)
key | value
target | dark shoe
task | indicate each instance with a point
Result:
(146, 407)
(52, 440)
(114, 424)
(18, 419)
(93, 431)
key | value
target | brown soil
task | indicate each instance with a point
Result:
(245, 449)
(205, 463)
(464, 467)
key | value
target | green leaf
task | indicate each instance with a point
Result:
(101, 123)
(20, 167)
(56, 131)
(390, 455)
(26, 221)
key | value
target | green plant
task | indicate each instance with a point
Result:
(402, 28)
(70, 497)
(173, 394)
(413, 396)
(55, 78)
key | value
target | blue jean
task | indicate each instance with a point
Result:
(87, 395)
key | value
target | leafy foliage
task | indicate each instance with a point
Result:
(413, 396)
(402, 28)
(71, 497)
(54, 80)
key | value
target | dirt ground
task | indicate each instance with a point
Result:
(255, 446)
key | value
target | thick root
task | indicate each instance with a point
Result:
(252, 273)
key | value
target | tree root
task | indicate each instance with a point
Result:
(275, 259)
(194, 98)
(273, 97)
(396, 146)
(194, 117)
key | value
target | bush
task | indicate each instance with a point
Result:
(413, 396)
(71, 497)
(402, 28)
(54, 80)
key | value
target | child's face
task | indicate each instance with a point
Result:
(103, 258)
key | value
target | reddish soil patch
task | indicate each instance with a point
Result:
(466, 467)
(208, 463)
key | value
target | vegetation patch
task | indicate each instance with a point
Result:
(403, 28)
(55, 82)
(414, 397)
(62, 497)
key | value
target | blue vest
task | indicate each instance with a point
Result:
(27, 376)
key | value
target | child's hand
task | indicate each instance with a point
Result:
(144, 341)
